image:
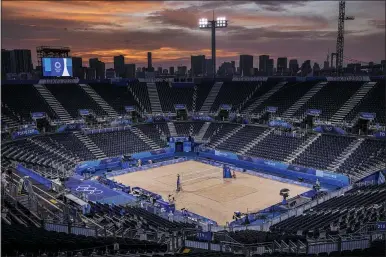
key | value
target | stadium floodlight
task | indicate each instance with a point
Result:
(220, 22)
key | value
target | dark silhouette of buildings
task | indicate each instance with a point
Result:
(246, 65)
(171, 70)
(129, 70)
(293, 67)
(282, 65)
(198, 65)
(77, 67)
(263, 64)
(119, 65)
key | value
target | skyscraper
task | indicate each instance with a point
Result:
(281, 65)
(293, 66)
(149, 62)
(119, 65)
(5, 63)
(77, 69)
(270, 67)
(159, 70)
(209, 67)
(306, 68)
(171, 70)
(181, 70)
(99, 67)
(246, 65)
(129, 70)
(21, 61)
(198, 65)
(263, 61)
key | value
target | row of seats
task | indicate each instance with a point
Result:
(170, 96)
(73, 98)
(18, 239)
(341, 214)
(119, 143)
(24, 99)
(188, 128)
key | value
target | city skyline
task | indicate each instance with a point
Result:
(170, 30)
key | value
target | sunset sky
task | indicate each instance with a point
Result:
(169, 29)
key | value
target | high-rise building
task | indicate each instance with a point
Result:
(233, 66)
(209, 67)
(5, 63)
(110, 73)
(21, 61)
(326, 65)
(246, 64)
(226, 69)
(306, 68)
(101, 70)
(77, 69)
(293, 67)
(181, 70)
(159, 70)
(198, 65)
(383, 64)
(281, 65)
(93, 63)
(263, 62)
(99, 67)
(119, 65)
(171, 70)
(130, 70)
(270, 67)
(90, 73)
(165, 71)
(316, 69)
(149, 62)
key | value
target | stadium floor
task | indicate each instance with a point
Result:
(206, 193)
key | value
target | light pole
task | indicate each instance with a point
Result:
(220, 22)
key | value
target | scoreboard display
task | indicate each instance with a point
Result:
(57, 67)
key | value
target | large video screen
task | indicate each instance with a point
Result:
(57, 67)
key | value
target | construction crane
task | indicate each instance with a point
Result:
(340, 38)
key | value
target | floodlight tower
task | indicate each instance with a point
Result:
(220, 22)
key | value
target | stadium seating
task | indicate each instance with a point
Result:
(345, 213)
(116, 96)
(373, 102)
(224, 129)
(170, 96)
(41, 157)
(286, 96)
(234, 94)
(323, 151)
(18, 239)
(73, 144)
(330, 98)
(23, 100)
(369, 157)
(202, 92)
(237, 141)
(276, 146)
(139, 89)
(119, 142)
(153, 132)
(188, 128)
(263, 88)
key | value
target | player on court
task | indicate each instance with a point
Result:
(234, 174)
(178, 183)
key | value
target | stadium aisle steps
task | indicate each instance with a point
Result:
(99, 100)
(207, 105)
